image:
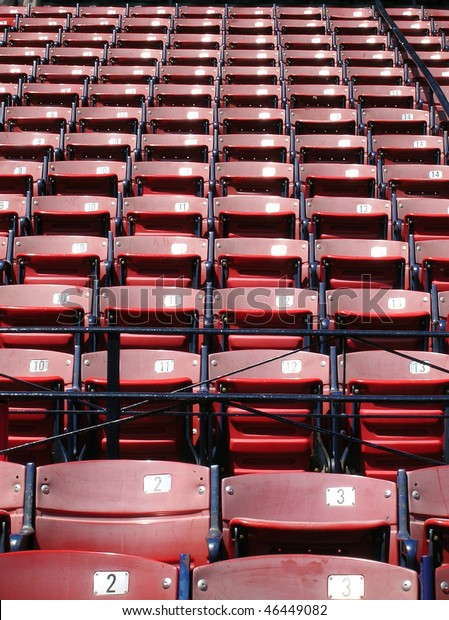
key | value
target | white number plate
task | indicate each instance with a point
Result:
(38, 365)
(340, 496)
(350, 587)
(111, 583)
(157, 484)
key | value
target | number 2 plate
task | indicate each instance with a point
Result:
(108, 583)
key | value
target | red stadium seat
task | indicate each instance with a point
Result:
(344, 515)
(161, 499)
(86, 575)
(269, 435)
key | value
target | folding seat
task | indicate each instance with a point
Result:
(313, 75)
(316, 148)
(352, 14)
(187, 95)
(432, 59)
(140, 39)
(66, 74)
(201, 12)
(14, 212)
(323, 120)
(245, 215)
(251, 42)
(197, 25)
(360, 42)
(17, 484)
(49, 95)
(394, 121)
(389, 150)
(93, 178)
(424, 219)
(86, 575)
(378, 309)
(180, 119)
(311, 577)
(11, 74)
(78, 56)
(95, 24)
(308, 27)
(7, 22)
(121, 95)
(329, 217)
(165, 214)
(261, 58)
(38, 118)
(147, 25)
(353, 27)
(415, 28)
(362, 263)
(375, 96)
(244, 12)
(254, 26)
(22, 55)
(185, 74)
(124, 75)
(413, 180)
(160, 11)
(406, 14)
(38, 306)
(43, 24)
(163, 508)
(196, 41)
(87, 39)
(395, 433)
(305, 42)
(112, 118)
(106, 146)
(101, 12)
(30, 145)
(317, 95)
(52, 11)
(36, 419)
(237, 74)
(162, 428)
(363, 58)
(299, 12)
(343, 516)
(167, 308)
(430, 264)
(341, 179)
(9, 94)
(264, 433)
(309, 58)
(156, 260)
(254, 147)
(70, 260)
(259, 261)
(179, 147)
(132, 57)
(76, 215)
(251, 120)
(394, 76)
(426, 491)
(250, 95)
(258, 309)
(254, 177)
(22, 177)
(194, 57)
(430, 44)
(170, 177)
